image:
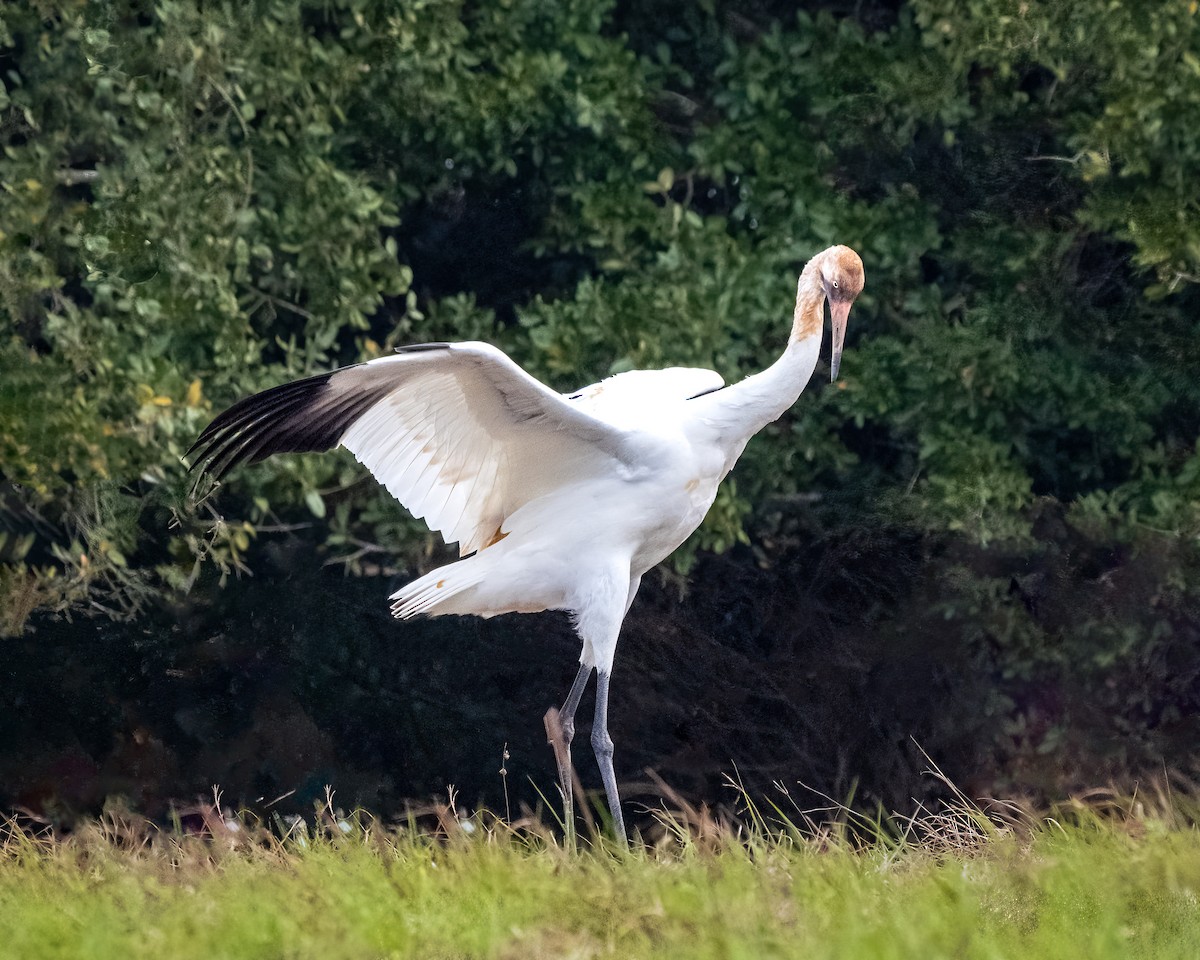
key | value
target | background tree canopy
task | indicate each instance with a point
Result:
(985, 535)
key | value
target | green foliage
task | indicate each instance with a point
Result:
(1124, 97)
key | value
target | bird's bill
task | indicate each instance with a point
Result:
(839, 312)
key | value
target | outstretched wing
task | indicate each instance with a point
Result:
(458, 433)
(624, 399)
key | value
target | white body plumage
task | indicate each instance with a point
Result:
(592, 523)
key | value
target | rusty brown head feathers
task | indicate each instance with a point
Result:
(842, 279)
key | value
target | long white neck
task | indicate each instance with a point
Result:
(740, 411)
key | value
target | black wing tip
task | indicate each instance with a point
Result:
(424, 347)
(224, 433)
(705, 393)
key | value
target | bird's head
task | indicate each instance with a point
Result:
(842, 278)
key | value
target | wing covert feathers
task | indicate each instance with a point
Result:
(458, 433)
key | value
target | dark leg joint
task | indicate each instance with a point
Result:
(603, 745)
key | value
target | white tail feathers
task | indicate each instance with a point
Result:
(426, 593)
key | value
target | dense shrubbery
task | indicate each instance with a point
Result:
(199, 200)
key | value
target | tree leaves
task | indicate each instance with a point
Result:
(202, 201)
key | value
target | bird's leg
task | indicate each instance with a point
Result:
(603, 745)
(560, 727)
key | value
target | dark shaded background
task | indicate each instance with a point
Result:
(824, 668)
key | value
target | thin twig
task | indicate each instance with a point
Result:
(280, 302)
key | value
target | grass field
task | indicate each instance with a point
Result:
(1088, 884)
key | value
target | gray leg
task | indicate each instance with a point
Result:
(566, 716)
(603, 745)
(560, 725)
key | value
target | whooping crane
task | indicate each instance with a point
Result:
(557, 502)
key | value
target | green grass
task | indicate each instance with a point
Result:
(955, 886)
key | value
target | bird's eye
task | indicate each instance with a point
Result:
(834, 284)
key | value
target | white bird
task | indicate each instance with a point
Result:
(557, 502)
